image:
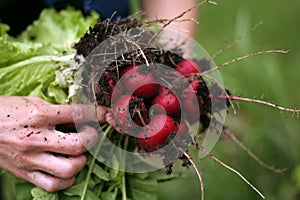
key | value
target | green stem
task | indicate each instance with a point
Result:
(124, 196)
(108, 130)
(124, 193)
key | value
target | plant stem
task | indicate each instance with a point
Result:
(124, 193)
(108, 130)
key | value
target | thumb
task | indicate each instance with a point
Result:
(111, 121)
(101, 112)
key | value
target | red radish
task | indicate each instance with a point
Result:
(167, 100)
(184, 137)
(195, 85)
(129, 109)
(126, 69)
(183, 128)
(187, 67)
(142, 83)
(191, 104)
(160, 127)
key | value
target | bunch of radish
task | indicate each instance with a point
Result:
(154, 104)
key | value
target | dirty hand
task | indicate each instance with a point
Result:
(33, 149)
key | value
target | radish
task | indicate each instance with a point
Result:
(128, 110)
(141, 82)
(191, 105)
(167, 101)
(198, 103)
(184, 136)
(183, 129)
(156, 133)
(188, 67)
(201, 90)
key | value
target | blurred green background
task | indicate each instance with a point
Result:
(271, 134)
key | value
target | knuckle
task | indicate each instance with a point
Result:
(22, 161)
(90, 137)
(69, 170)
(79, 148)
(51, 187)
(25, 145)
(56, 184)
(36, 112)
(76, 146)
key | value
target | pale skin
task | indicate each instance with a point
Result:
(169, 9)
(29, 141)
(33, 149)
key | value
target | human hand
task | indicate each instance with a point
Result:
(32, 149)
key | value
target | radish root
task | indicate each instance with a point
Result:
(251, 154)
(196, 170)
(230, 169)
(242, 58)
(270, 104)
(230, 45)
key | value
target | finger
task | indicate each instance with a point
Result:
(78, 113)
(59, 142)
(48, 182)
(110, 120)
(42, 180)
(59, 166)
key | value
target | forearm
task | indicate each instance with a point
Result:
(168, 9)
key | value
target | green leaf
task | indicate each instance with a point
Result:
(40, 194)
(12, 51)
(74, 190)
(90, 195)
(101, 173)
(113, 172)
(23, 191)
(58, 93)
(161, 175)
(30, 63)
(139, 188)
(31, 76)
(108, 195)
(59, 29)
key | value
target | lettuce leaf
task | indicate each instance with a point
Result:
(34, 77)
(30, 63)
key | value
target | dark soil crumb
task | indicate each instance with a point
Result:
(102, 30)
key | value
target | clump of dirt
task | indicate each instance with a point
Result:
(102, 30)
